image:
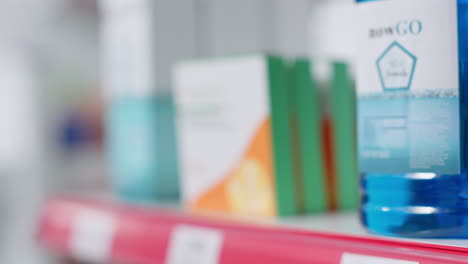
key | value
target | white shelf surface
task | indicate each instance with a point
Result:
(348, 223)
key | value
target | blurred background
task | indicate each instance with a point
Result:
(52, 104)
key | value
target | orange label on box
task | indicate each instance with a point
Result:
(249, 187)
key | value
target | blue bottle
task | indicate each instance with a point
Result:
(412, 154)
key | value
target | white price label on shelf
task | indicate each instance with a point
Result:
(194, 245)
(91, 236)
(348, 258)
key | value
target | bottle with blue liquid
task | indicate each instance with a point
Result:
(412, 117)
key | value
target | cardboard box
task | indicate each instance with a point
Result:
(234, 137)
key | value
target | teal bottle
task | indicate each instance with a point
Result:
(142, 148)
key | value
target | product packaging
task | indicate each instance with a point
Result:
(234, 135)
(412, 116)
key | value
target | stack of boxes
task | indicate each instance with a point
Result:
(253, 137)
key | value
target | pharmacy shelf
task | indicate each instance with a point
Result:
(105, 231)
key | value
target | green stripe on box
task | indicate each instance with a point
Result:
(282, 156)
(343, 107)
(295, 139)
(312, 158)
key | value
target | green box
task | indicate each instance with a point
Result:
(343, 115)
(307, 138)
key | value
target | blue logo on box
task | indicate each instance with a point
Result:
(396, 68)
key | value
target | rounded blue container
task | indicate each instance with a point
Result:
(422, 204)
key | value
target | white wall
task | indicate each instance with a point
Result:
(23, 163)
(226, 26)
(331, 28)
